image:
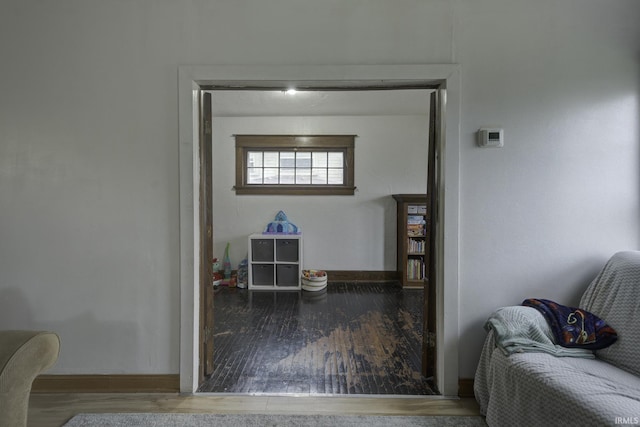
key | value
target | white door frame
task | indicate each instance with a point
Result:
(192, 78)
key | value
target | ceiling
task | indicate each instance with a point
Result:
(232, 103)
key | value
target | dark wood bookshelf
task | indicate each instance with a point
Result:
(413, 244)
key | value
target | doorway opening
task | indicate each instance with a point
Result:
(395, 128)
(195, 80)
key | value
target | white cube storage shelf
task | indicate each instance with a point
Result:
(275, 261)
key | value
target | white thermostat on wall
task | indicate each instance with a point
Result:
(490, 137)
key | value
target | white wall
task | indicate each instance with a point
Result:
(89, 178)
(340, 232)
(541, 216)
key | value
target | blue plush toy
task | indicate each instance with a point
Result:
(281, 225)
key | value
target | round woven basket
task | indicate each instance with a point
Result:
(314, 285)
(314, 280)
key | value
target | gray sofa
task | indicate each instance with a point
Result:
(539, 388)
(23, 355)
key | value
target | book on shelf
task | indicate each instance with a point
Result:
(415, 219)
(415, 229)
(415, 269)
(416, 225)
(415, 246)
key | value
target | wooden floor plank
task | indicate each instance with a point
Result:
(55, 409)
(353, 338)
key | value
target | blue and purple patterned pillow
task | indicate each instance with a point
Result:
(574, 327)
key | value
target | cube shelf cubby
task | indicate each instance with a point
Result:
(275, 261)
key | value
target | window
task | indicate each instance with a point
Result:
(294, 164)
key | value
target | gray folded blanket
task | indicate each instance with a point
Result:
(520, 329)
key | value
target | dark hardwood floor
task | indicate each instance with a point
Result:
(352, 338)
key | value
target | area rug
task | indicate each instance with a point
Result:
(254, 420)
